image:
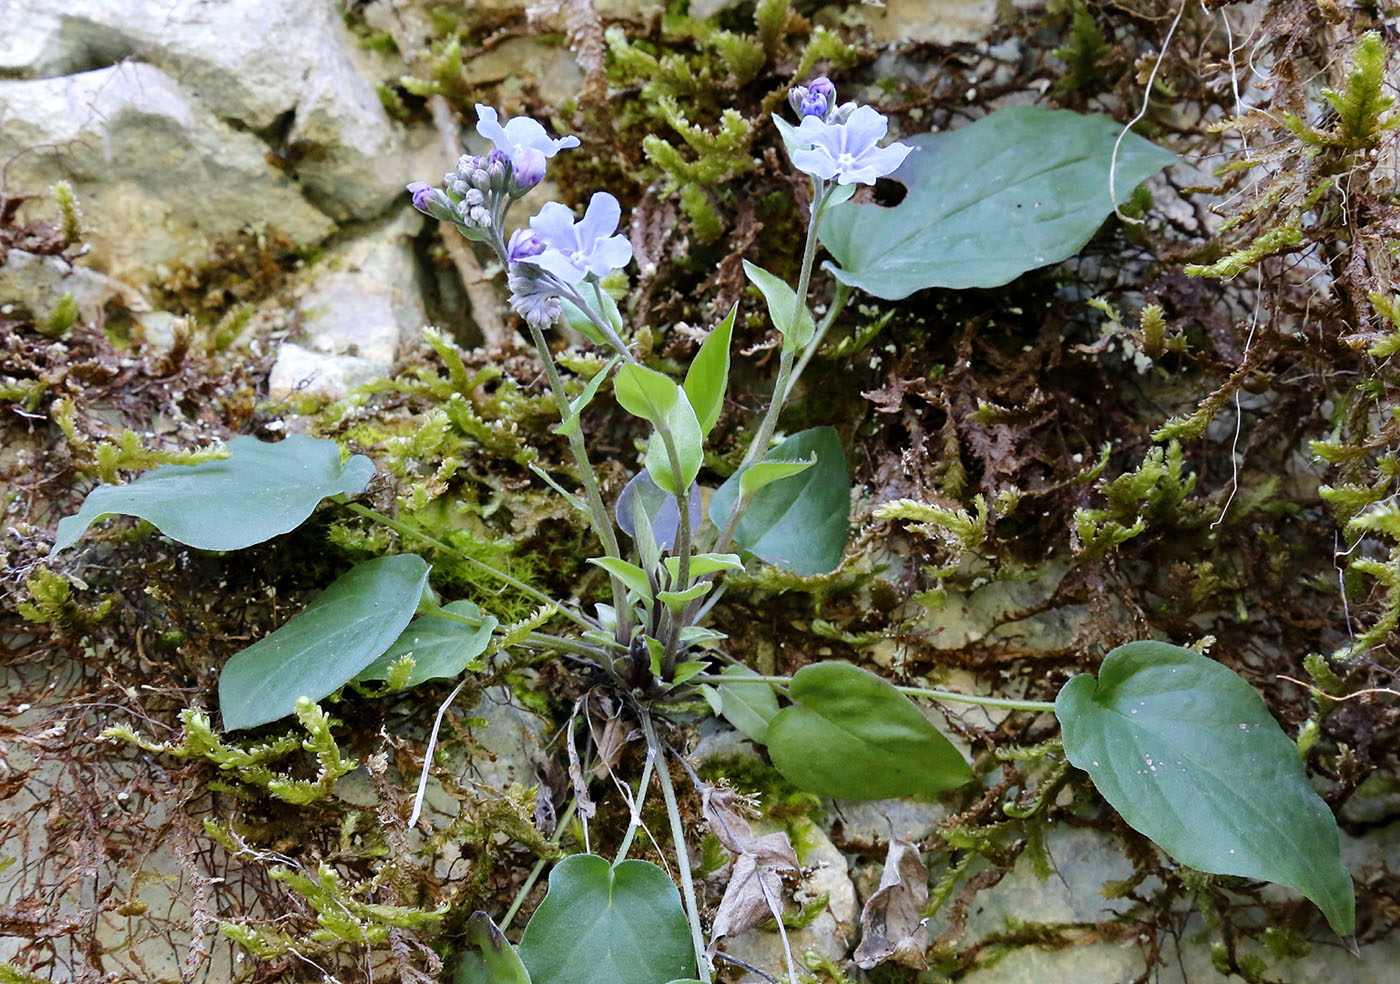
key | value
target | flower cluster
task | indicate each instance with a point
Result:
(841, 142)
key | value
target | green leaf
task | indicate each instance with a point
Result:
(606, 924)
(257, 492)
(441, 648)
(708, 375)
(767, 472)
(629, 574)
(580, 322)
(319, 651)
(677, 600)
(800, 525)
(1189, 755)
(750, 707)
(788, 312)
(492, 960)
(654, 396)
(705, 563)
(569, 424)
(645, 392)
(1019, 189)
(852, 735)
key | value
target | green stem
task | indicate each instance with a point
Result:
(641, 798)
(537, 640)
(518, 585)
(668, 792)
(944, 695)
(843, 294)
(597, 511)
(534, 875)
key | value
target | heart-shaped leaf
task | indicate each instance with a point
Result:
(852, 735)
(606, 924)
(257, 492)
(1021, 188)
(1189, 755)
(799, 522)
(441, 647)
(320, 650)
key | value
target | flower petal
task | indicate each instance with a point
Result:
(865, 129)
(555, 262)
(817, 162)
(554, 224)
(612, 254)
(525, 132)
(599, 219)
(488, 126)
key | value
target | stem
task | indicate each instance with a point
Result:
(943, 695)
(636, 820)
(598, 321)
(597, 512)
(668, 792)
(518, 585)
(843, 293)
(538, 640)
(534, 875)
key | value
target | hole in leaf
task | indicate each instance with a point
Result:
(889, 193)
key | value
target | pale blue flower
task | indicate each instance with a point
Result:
(576, 249)
(848, 152)
(519, 135)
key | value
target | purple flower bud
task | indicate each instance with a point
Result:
(523, 243)
(432, 201)
(797, 95)
(822, 86)
(814, 104)
(528, 168)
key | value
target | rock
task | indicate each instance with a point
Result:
(356, 306)
(505, 742)
(866, 825)
(160, 180)
(302, 94)
(38, 284)
(930, 21)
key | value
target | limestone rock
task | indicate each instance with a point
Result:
(160, 180)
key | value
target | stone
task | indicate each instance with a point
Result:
(943, 22)
(301, 372)
(160, 181)
(38, 284)
(865, 826)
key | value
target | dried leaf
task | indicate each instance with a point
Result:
(890, 927)
(751, 899)
(609, 732)
(586, 809)
(734, 832)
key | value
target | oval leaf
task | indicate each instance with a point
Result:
(801, 522)
(259, 491)
(643, 494)
(1189, 755)
(441, 647)
(750, 707)
(322, 649)
(1021, 188)
(708, 375)
(788, 312)
(605, 924)
(852, 735)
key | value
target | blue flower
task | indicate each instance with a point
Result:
(848, 151)
(573, 250)
(518, 137)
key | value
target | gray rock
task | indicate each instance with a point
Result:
(38, 284)
(160, 180)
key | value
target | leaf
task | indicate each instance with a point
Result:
(766, 472)
(642, 492)
(259, 491)
(653, 396)
(629, 574)
(750, 707)
(800, 525)
(754, 892)
(1021, 188)
(441, 648)
(708, 375)
(605, 924)
(1188, 754)
(788, 312)
(705, 563)
(492, 960)
(852, 735)
(579, 320)
(320, 650)
(891, 927)
(569, 424)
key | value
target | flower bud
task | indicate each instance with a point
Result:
(822, 86)
(432, 201)
(813, 104)
(527, 170)
(841, 113)
(523, 243)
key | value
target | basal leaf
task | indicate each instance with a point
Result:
(491, 959)
(606, 924)
(441, 648)
(644, 495)
(1189, 755)
(320, 650)
(1021, 188)
(259, 491)
(852, 735)
(748, 706)
(801, 522)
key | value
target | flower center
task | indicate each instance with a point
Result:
(845, 160)
(577, 257)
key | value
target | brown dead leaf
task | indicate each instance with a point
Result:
(890, 927)
(752, 897)
(769, 851)
(609, 731)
